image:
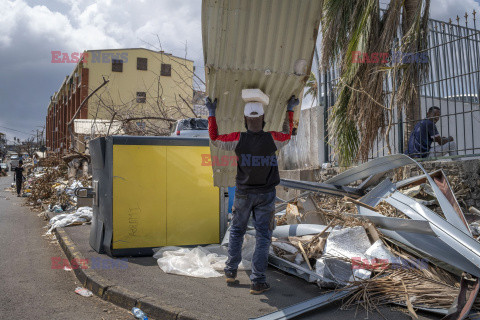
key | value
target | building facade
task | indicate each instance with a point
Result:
(143, 87)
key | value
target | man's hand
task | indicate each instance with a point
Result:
(292, 103)
(211, 106)
(450, 139)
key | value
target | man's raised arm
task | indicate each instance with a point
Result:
(281, 138)
(227, 141)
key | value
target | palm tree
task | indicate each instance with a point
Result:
(312, 87)
(359, 114)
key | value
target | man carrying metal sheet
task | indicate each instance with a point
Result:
(257, 177)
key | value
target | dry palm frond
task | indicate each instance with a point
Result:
(391, 287)
(414, 26)
(359, 114)
(425, 285)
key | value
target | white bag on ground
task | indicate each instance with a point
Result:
(201, 262)
(82, 215)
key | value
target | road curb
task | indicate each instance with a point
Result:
(118, 295)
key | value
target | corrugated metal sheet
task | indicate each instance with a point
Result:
(266, 44)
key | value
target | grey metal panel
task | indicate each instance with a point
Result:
(97, 150)
(101, 150)
(455, 238)
(406, 182)
(159, 141)
(391, 162)
(447, 209)
(453, 206)
(309, 305)
(325, 188)
(434, 247)
(382, 190)
(398, 224)
(427, 244)
(254, 44)
(292, 268)
(373, 167)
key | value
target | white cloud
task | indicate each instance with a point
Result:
(31, 29)
(446, 9)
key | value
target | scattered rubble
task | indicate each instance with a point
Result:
(47, 188)
(401, 242)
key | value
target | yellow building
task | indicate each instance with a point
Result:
(142, 83)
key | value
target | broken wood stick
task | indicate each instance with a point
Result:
(359, 203)
(304, 254)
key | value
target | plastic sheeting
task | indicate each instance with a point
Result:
(82, 215)
(202, 262)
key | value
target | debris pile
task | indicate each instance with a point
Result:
(47, 185)
(379, 241)
(47, 189)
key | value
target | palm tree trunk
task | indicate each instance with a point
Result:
(412, 107)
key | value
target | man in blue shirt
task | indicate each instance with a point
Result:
(425, 133)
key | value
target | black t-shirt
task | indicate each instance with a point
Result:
(18, 174)
(257, 167)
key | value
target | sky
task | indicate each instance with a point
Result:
(31, 29)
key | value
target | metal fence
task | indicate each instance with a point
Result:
(452, 84)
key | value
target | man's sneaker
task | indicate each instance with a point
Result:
(230, 276)
(258, 288)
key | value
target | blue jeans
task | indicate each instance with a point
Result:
(262, 207)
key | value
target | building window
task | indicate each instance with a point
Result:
(141, 97)
(141, 125)
(117, 65)
(166, 70)
(141, 63)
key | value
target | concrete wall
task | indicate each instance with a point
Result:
(303, 149)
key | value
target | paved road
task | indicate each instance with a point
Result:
(29, 288)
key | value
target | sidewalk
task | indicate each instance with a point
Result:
(164, 296)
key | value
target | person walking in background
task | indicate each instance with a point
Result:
(425, 133)
(257, 177)
(18, 177)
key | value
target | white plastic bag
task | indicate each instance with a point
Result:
(201, 262)
(82, 215)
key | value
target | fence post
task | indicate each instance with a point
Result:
(400, 132)
(326, 156)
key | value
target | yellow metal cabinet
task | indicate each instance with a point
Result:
(152, 192)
